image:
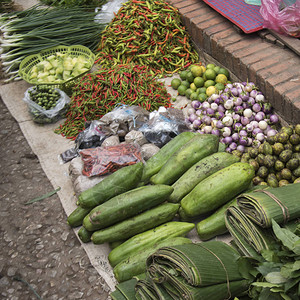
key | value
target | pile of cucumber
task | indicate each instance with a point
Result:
(145, 206)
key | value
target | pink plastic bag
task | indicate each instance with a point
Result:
(282, 16)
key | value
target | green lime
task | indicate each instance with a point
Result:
(209, 83)
(183, 74)
(196, 71)
(188, 93)
(224, 71)
(175, 83)
(202, 97)
(194, 96)
(185, 83)
(217, 69)
(220, 86)
(193, 86)
(210, 74)
(199, 82)
(210, 66)
(211, 90)
(190, 77)
(181, 90)
(201, 90)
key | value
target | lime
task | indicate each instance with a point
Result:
(181, 90)
(202, 97)
(210, 66)
(193, 86)
(188, 93)
(199, 82)
(182, 75)
(201, 90)
(209, 83)
(210, 74)
(190, 77)
(220, 86)
(196, 71)
(175, 83)
(221, 78)
(203, 69)
(211, 90)
(217, 69)
(185, 83)
(224, 71)
(194, 96)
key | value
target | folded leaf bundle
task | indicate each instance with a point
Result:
(280, 204)
(207, 270)
(249, 238)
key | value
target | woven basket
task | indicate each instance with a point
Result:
(76, 50)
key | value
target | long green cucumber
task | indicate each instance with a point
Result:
(197, 148)
(155, 163)
(126, 205)
(84, 235)
(77, 215)
(217, 189)
(214, 224)
(199, 171)
(146, 220)
(146, 239)
(136, 263)
(115, 184)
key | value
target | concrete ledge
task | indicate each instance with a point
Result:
(274, 69)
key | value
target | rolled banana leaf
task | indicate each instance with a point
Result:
(200, 264)
(207, 270)
(249, 238)
(281, 204)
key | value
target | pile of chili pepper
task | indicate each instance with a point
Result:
(147, 33)
(100, 92)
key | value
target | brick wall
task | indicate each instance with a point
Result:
(275, 70)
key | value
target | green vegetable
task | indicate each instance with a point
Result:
(116, 183)
(146, 220)
(194, 150)
(199, 171)
(84, 235)
(38, 28)
(126, 205)
(217, 189)
(76, 217)
(155, 162)
(214, 224)
(136, 263)
(147, 239)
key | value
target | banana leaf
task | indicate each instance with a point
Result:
(200, 264)
(249, 238)
(281, 204)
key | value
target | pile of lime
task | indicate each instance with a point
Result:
(198, 82)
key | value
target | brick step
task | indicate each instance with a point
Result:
(274, 68)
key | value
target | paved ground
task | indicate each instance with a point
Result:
(37, 246)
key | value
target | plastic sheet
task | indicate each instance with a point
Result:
(282, 16)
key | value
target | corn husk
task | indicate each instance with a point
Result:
(250, 239)
(281, 204)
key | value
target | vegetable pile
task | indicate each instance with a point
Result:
(239, 115)
(100, 92)
(37, 28)
(58, 68)
(44, 96)
(147, 33)
(277, 160)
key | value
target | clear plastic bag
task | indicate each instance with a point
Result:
(106, 13)
(163, 125)
(42, 116)
(282, 16)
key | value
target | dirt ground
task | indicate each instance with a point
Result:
(40, 256)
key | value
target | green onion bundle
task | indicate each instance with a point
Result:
(37, 28)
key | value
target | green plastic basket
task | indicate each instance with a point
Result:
(76, 50)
